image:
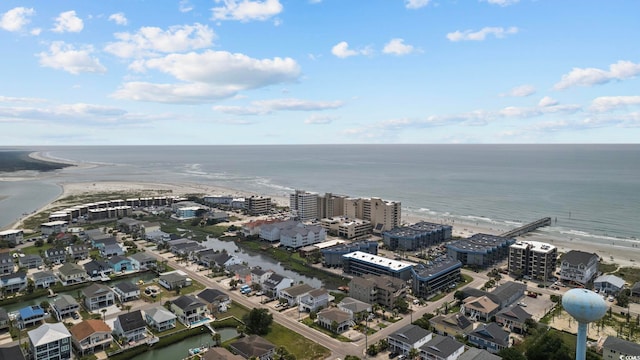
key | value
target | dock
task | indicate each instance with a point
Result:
(546, 221)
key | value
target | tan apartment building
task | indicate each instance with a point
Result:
(346, 227)
(383, 215)
(257, 205)
(532, 260)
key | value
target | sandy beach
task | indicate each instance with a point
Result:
(619, 251)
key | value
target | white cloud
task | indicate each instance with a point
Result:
(118, 18)
(480, 35)
(319, 119)
(416, 4)
(208, 76)
(240, 110)
(315, 1)
(16, 18)
(342, 50)
(185, 6)
(621, 70)
(547, 101)
(298, 104)
(68, 22)
(12, 99)
(65, 112)
(35, 31)
(397, 47)
(502, 2)
(606, 103)
(66, 57)
(247, 10)
(521, 91)
(149, 41)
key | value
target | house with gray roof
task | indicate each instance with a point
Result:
(64, 306)
(55, 255)
(174, 280)
(142, 261)
(44, 279)
(490, 337)
(314, 300)
(453, 324)
(6, 263)
(478, 354)
(514, 318)
(293, 293)
(30, 261)
(508, 293)
(274, 284)
(615, 348)
(71, 273)
(97, 296)
(189, 309)
(408, 337)
(97, 269)
(216, 300)
(253, 347)
(635, 289)
(160, 318)
(331, 316)
(609, 284)
(131, 326)
(126, 291)
(110, 250)
(302, 235)
(78, 251)
(356, 308)
(442, 348)
(578, 266)
(13, 282)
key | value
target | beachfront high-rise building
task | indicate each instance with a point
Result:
(257, 205)
(304, 205)
(533, 259)
(384, 215)
(330, 205)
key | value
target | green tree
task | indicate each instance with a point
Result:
(511, 354)
(258, 321)
(217, 338)
(401, 305)
(372, 350)
(414, 353)
(45, 305)
(549, 346)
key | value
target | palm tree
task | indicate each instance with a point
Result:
(104, 311)
(217, 338)
(241, 329)
(413, 353)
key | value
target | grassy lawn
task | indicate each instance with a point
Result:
(629, 274)
(179, 327)
(236, 310)
(34, 250)
(296, 344)
(607, 268)
(195, 286)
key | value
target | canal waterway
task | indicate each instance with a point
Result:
(180, 350)
(265, 262)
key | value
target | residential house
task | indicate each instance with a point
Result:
(160, 318)
(64, 239)
(130, 226)
(30, 261)
(130, 326)
(157, 236)
(53, 227)
(188, 309)
(184, 247)
(408, 337)
(508, 293)
(216, 300)
(635, 290)
(253, 347)
(479, 309)
(126, 291)
(609, 284)
(334, 319)
(478, 354)
(55, 255)
(490, 337)
(615, 348)
(10, 283)
(314, 300)
(112, 250)
(101, 240)
(174, 280)
(12, 237)
(220, 353)
(4, 319)
(11, 352)
(240, 273)
(78, 251)
(356, 308)
(119, 263)
(7, 266)
(293, 293)
(64, 306)
(97, 296)
(44, 279)
(274, 284)
(454, 324)
(142, 261)
(49, 342)
(71, 273)
(259, 276)
(514, 318)
(441, 348)
(219, 260)
(98, 269)
(377, 289)
(578, 266)
(30, 316)
(91, 336)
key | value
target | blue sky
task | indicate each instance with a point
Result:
(319, 72)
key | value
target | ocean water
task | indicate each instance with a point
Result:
(591, 191)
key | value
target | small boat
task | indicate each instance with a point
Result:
(197, 350)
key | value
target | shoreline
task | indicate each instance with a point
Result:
(620, 251)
